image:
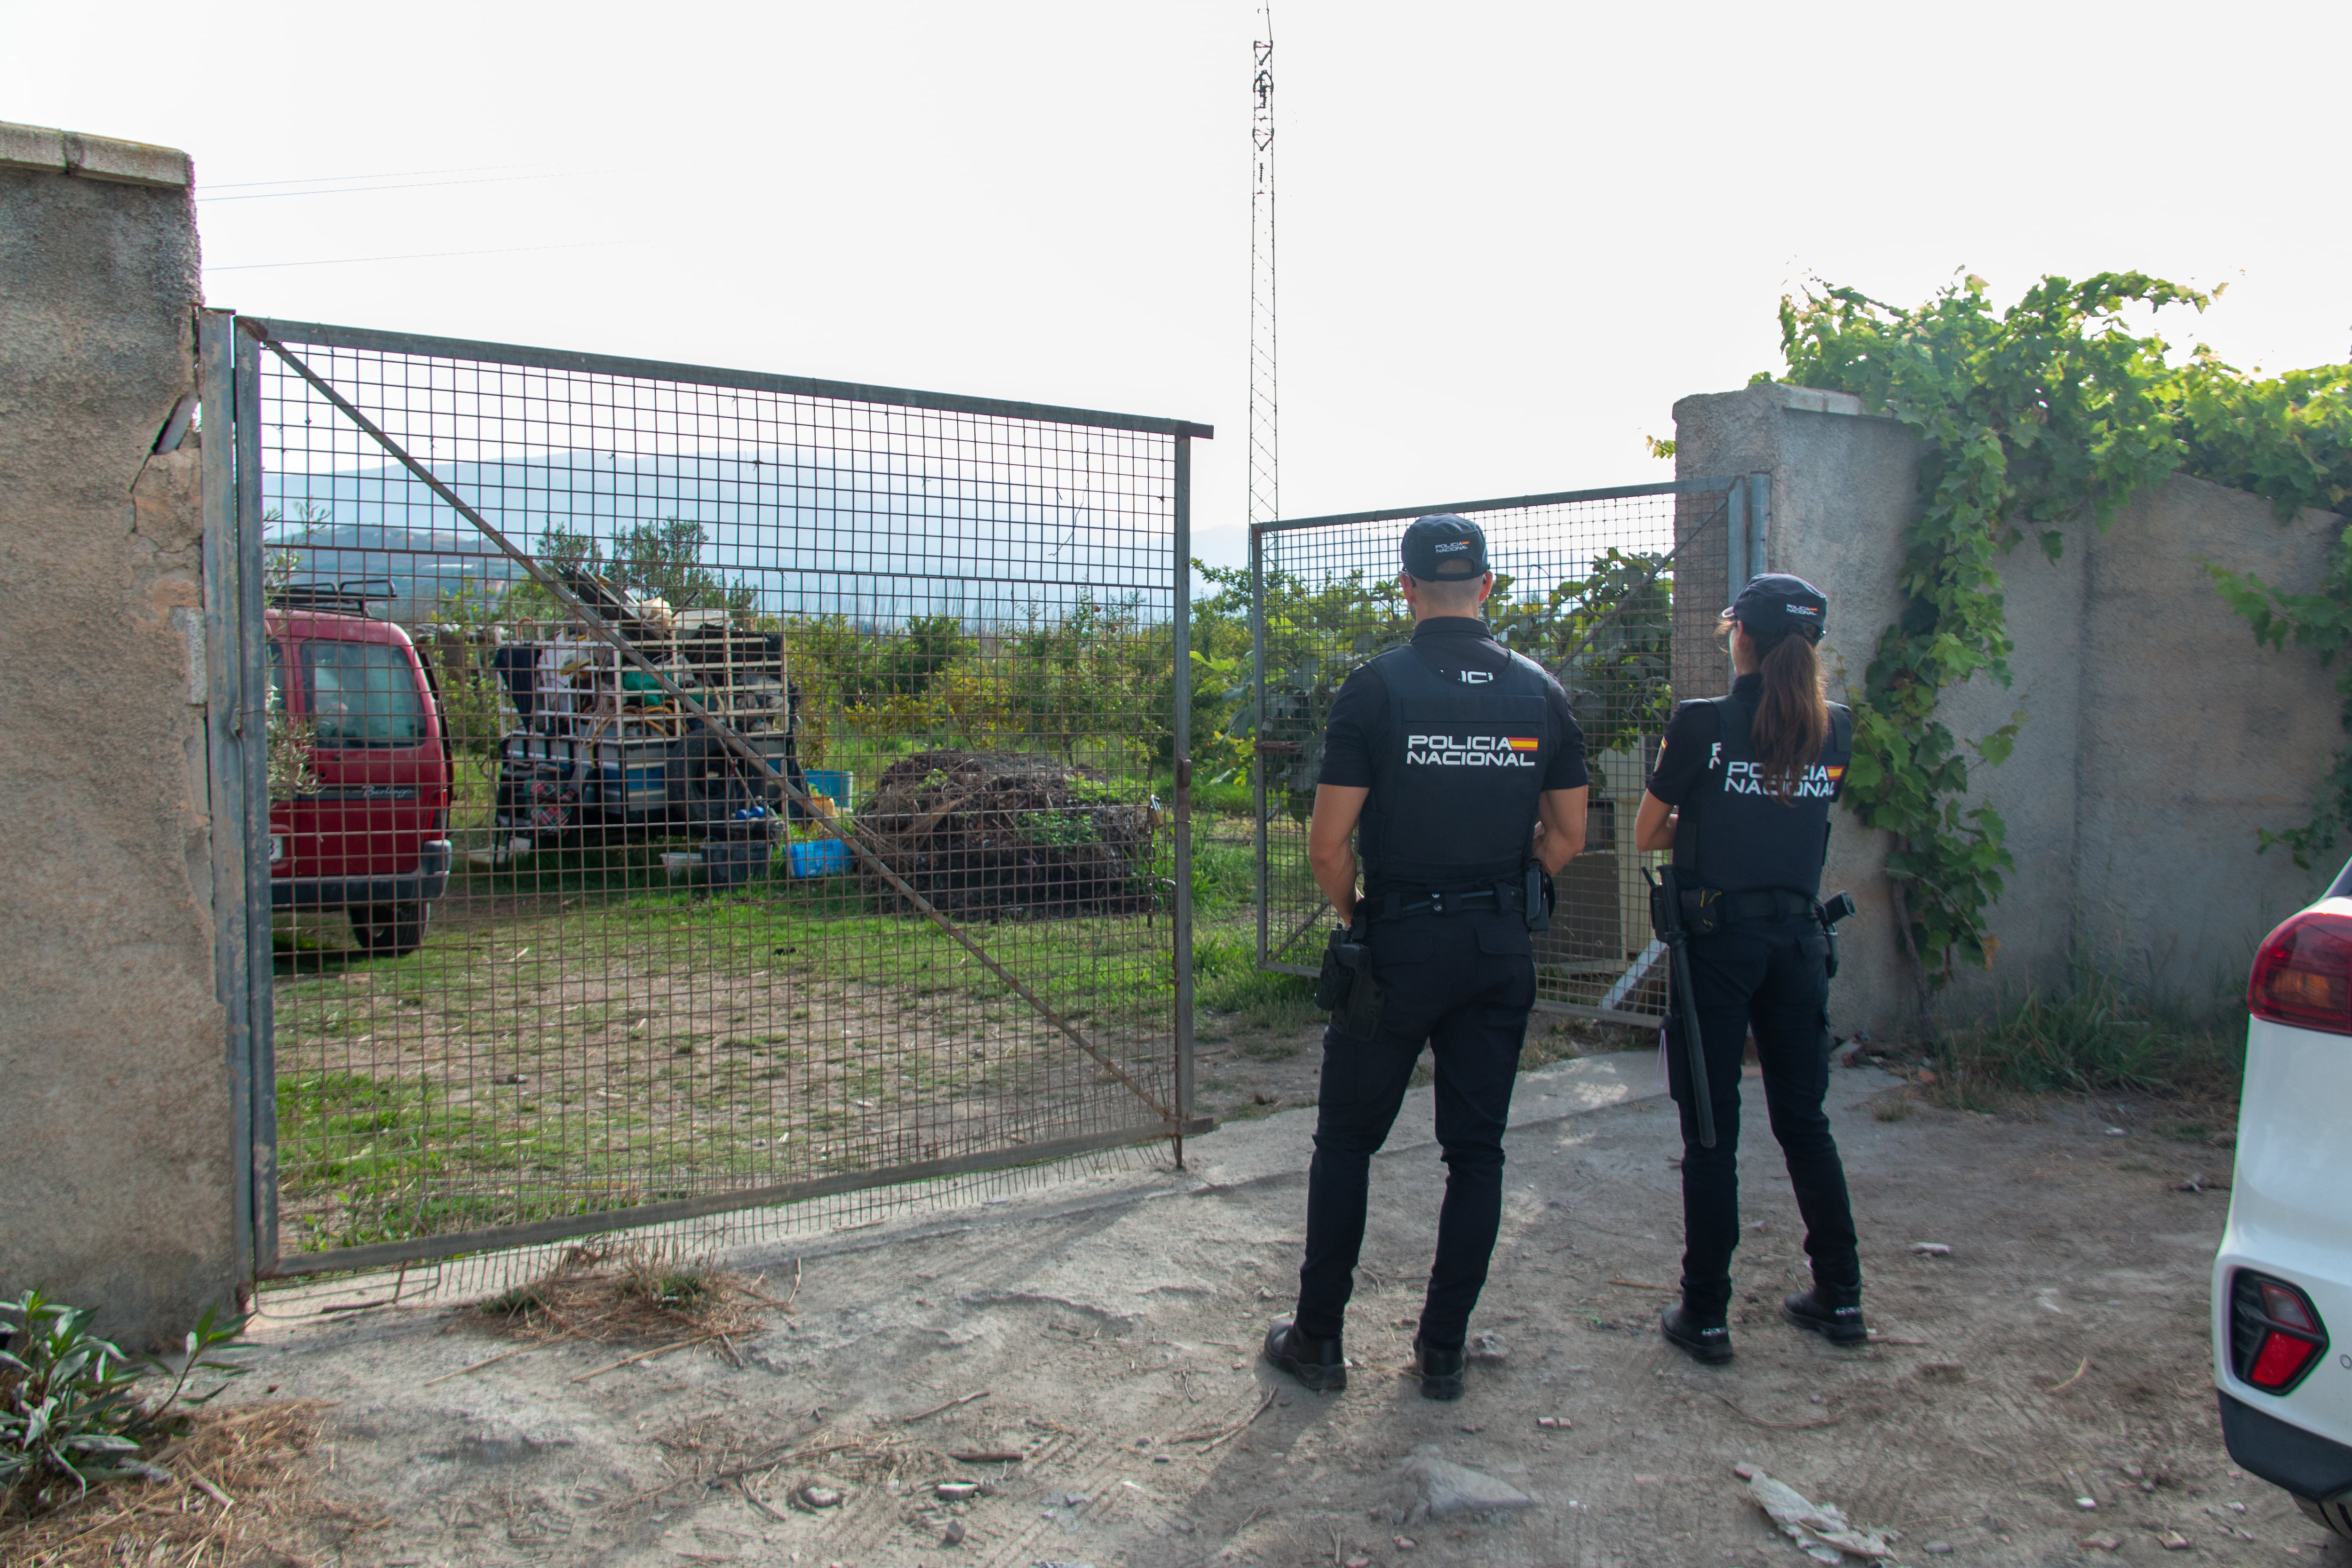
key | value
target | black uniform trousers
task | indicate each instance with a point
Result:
(1462, 985)
(1766, 974)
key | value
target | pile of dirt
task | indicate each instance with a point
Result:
(1010, 834)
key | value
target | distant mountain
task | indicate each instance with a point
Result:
(872, 539)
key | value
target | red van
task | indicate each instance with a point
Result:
(372, 839)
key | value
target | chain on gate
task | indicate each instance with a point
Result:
(693, 789)
(1585, 586)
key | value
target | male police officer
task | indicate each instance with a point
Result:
(1456, 763)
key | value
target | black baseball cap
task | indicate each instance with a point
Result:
(1774, 605)
(1443, 548)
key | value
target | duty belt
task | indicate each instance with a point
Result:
(1753, 906)
(1396, 905)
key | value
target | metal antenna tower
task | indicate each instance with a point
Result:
(1265, 414)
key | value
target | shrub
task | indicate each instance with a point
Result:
(70, 1411)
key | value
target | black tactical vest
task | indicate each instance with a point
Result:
(1734, 838)
(1454, 787)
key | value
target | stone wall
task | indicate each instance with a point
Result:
(2156, 738)
(114, 1091)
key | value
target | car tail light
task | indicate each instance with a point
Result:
(2275, 1334)
(2302, 974)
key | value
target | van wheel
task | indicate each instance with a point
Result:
(390, 931)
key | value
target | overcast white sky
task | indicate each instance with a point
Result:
(1512, 234)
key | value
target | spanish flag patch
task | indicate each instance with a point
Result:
(1524, 743)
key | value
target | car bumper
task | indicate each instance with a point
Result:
(2284, 1455)
(429, 881)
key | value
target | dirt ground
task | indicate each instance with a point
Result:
(1107, 1331)
(529, 1058)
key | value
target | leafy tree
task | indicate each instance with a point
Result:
(660, 559)
(1608, 636)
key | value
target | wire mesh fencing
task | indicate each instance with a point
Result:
(694, 789)
(1586, 587)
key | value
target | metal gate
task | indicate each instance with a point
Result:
(677, 790)
(1585, 585)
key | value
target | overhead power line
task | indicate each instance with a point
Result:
(421, 256)
(353, 190)
(379, 174)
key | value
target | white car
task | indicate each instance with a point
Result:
(2284, 1270)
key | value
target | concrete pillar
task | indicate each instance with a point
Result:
(2156, 739)
(115, 1185)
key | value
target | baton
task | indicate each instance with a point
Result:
(1694, 1049)
(1666, 905)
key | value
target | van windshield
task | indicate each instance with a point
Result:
(362, 694)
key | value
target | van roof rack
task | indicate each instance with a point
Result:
(350, 597)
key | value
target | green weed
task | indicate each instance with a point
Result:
(2094, 1035)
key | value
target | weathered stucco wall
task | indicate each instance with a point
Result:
(115, 1185)
(2156, 739)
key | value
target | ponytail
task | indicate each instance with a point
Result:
(1792, 718)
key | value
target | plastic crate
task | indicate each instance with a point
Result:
(820, 857)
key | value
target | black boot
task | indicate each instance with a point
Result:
(1440, 1367)
(1316, 1362)
(1708, 1342)
(1832, 1312)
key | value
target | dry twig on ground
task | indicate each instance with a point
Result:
(630, 1295)
(240, 1492)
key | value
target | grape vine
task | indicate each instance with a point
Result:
(2033, 420)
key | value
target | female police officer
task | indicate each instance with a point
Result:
(1742, 797)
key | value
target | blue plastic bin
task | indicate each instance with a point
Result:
(820, 857)
(834, 784)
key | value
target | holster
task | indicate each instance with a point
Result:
(1540, 897)
(1838, 907)
(1346, 988)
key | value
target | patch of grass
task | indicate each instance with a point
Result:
(614, 1294)
(2094, 1035)
(1229, 799)
(518, 1301)
(1228, 980)
(1270, 1047)
(670, 1285)
(1224, 874)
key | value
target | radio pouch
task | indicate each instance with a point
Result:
(1702, 911)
